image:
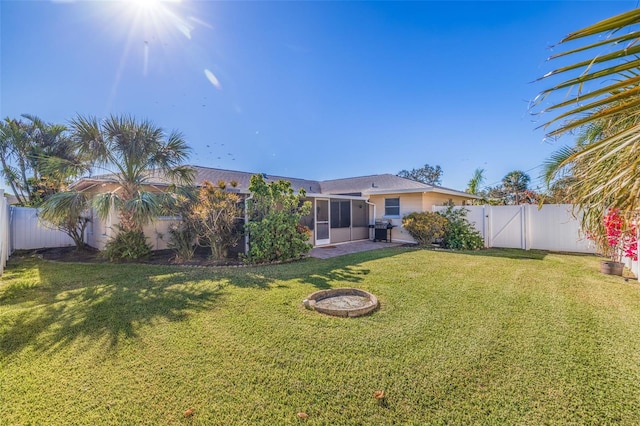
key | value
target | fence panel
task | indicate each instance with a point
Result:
(553, 227)
(5, 248)
(28, 232)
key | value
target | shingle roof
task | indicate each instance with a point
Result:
(359, 185)
(212, 175)
(366, 184)
(216, 175)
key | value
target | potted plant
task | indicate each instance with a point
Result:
(614, 242)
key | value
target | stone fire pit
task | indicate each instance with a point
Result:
(342, 302)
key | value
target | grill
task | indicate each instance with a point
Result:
(382, 231)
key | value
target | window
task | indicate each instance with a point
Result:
(340, 214)
(392, 206)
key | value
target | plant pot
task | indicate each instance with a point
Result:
(610, 267)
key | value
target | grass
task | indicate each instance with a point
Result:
(497, 336)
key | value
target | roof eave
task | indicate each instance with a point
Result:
(423, 190)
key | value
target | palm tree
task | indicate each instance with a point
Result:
(69, 213)
(604, 102)
(473, 187)
(32, 152)
(136, 151)
(516, 182)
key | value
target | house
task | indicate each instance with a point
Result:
(343, 209)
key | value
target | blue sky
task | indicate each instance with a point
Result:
(317, 90)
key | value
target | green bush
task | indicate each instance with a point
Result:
(127, 245)
(182, 239)
(425, 227)
(459, 233)
(274, 217)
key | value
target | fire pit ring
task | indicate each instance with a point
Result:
(342, 302)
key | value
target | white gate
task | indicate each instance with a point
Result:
(506, 227)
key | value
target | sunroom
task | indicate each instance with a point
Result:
(337, 218)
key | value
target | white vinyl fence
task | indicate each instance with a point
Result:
(552, 227)
(5, 248)
(29, 232)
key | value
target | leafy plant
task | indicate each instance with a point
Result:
(214, 216)
(425, 227)
(459, 233)
(274, 215)
(613, 239)
(137, 151)
(127, 245)
(69, 213)
(182, 239)
(595, 88)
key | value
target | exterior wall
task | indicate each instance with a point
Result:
(359, 233)
(99, 232)
(157, 232)
(339, 235)
(430, 199)
(409, 203)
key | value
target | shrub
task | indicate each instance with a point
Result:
(127, 245)
(274, 217)
(182, 241)
(459, 233)
(214, 216)
(425, 227)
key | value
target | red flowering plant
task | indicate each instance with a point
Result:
(615, 239)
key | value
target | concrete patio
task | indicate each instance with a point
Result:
(334, 250)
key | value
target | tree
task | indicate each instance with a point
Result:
(136, 151)
(31, 152)
(215, 214)
(426, 174)
(274, 228)
(473, 187)
(515, 183)
(69, 213)
(604, 90)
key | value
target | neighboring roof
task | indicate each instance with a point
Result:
(354, 186)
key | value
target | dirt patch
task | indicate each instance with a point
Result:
(90, 255)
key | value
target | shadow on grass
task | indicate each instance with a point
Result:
(98, 302)
(509, 253)
(50, 305)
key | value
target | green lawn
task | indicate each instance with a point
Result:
(497, 336)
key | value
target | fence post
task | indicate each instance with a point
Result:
(5, 230)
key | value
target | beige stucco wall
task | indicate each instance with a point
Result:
(99, 231)
(409, 203)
